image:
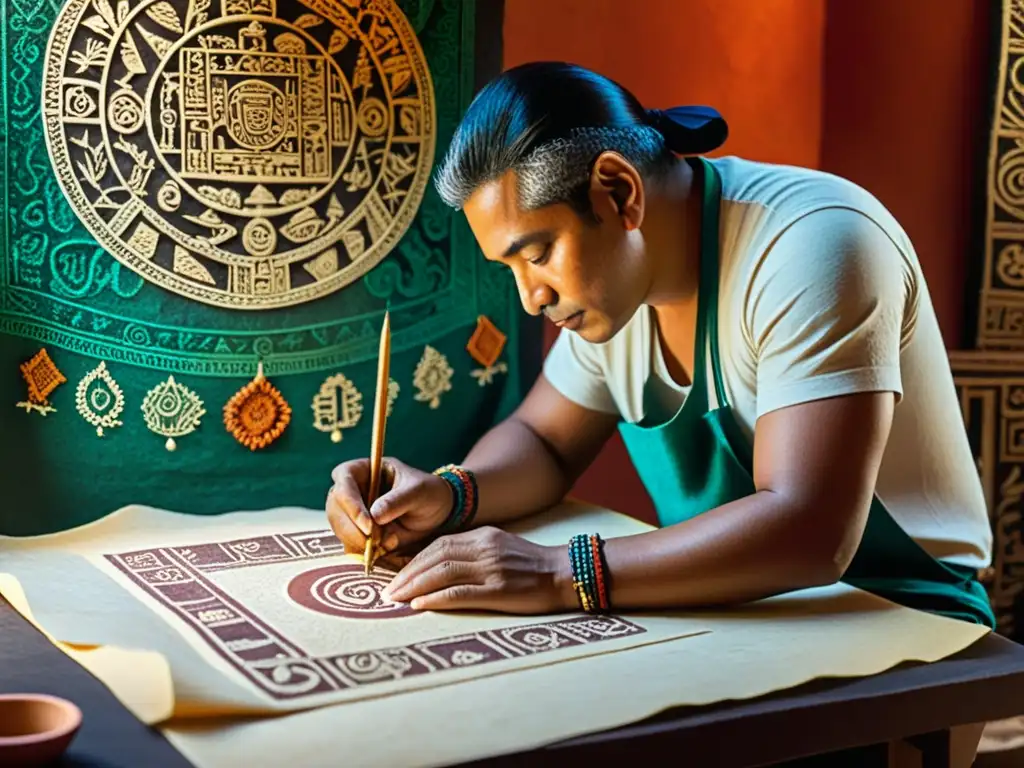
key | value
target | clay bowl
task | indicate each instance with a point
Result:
(35, 729)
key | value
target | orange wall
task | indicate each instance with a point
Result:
(886, 93)
(744, 58)
(905, 109)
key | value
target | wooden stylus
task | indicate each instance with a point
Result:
(380, 416)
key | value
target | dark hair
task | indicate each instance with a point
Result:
(548, 122)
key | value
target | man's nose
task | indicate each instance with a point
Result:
(534, 295)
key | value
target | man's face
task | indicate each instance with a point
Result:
(584, 276)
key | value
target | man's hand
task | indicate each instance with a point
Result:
(486, 569)
(412, 505)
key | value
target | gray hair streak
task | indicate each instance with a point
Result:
(556, 171)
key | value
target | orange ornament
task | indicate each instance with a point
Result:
(486, 343)
(42, 377)
(257, 414)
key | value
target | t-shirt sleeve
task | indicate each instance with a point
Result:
(574, 368)
(826, 310)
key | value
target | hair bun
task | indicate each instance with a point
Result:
(690, 130)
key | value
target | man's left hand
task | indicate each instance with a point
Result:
(486, 569)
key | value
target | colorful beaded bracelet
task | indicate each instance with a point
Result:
(589, 572)
(467, 498)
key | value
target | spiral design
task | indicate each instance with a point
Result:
(169, 196)
(126, 111)
(263, 346)
(169, 403)
(373, 117)
(1009, 191)
(137, 336)
(346, 591)
(363, 663)
(78, 103)
(336, 590)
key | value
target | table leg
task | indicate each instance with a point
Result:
(935, 749)
(947, 748)
(903, 754)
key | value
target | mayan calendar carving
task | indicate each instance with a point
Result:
(276, 608)
(248, 154)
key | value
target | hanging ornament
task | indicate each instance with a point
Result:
(42, 377)
(485, 346)
(433, 377)
(99, 399)
(486, 343)
(172, 410)
(486, 375)
(337, 406)
(393, 390)
(257, 414)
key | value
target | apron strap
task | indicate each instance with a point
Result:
(707, 297)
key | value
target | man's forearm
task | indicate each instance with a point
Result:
(517, 474)
(758, 546)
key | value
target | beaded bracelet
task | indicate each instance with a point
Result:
(589, 572)
(467, 498)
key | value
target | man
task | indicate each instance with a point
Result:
(762, 336)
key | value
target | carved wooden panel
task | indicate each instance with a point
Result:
(1000, 322)
(990, 386)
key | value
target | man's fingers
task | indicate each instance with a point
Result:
(445, 574)
(447, 548)
(395, 502)
(357, 469)
(350, 500)
(465, 597)
(352, 480)
(344, 527)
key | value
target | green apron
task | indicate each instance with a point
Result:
(699, 460)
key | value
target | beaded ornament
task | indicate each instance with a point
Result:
(257, 414)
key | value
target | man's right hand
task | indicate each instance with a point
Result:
(410, 507)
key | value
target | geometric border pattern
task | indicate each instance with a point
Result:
(176, 577)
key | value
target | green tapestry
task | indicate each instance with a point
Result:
(196, 188)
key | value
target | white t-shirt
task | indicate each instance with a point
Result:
(820, 294)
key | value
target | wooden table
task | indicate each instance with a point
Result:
(918, 703)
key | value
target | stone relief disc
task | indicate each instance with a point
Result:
(248, 154)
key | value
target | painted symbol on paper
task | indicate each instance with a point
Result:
(345, 590)
(184, 581)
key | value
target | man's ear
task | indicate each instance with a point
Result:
(616, 190)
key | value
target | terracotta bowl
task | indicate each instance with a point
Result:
(35, 729)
